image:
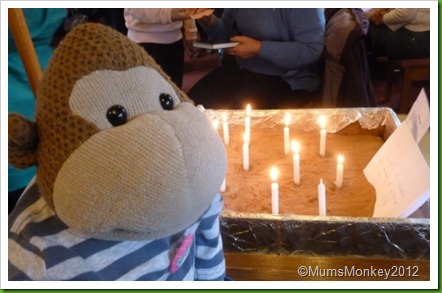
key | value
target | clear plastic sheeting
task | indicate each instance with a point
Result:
(325, 236)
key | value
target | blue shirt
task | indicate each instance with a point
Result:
(292, 41)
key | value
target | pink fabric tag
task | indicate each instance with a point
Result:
(181, 254)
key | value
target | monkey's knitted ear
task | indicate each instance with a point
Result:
(23, 138)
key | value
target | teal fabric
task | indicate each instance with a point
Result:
(42, 24)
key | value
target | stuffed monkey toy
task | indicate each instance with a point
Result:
(128, 171)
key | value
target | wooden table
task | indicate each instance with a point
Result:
(269, 267)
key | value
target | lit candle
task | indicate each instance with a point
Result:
(340, 171)
(275, 190)
(296, 171)
(248, 110)
(247, 122)
(321, 198)
(245, 153)
(225, 129)
(223, 186)
(287, 134)
(322, 124)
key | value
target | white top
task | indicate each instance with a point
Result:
(154, 25)
(413, 19)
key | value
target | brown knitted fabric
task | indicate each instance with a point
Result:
(22, 141)
(84, 50)
(150, 176)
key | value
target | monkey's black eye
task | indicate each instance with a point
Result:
(116, 115)
(166, 101)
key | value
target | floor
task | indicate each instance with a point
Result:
(197, 67)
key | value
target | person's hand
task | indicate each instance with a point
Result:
(178, 14)
(193, 52)
(247, 47)
(376, 15)
(197, 13)
(377, 19)
(185, 13)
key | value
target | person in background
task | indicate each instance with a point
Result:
(399, 33)
(160, 32)
(113, 17)
(42, 24)
(275, 64)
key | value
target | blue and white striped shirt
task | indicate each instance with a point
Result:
(42, 247)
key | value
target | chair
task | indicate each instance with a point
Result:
(413, 70)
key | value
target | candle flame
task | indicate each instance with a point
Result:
(248, 110)
(340, 159)
(295, 147)
(274, 174)
(322, 121)
(224, 117)
(287, 119)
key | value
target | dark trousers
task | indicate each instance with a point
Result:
(231, 87)
(170, 57)
(401, 44)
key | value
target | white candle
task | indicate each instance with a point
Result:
(247, 128)
(340, 171)
(247, 122)
(245, 154)
(296, 170)
(287, 134)
(322, 143)
(223, 185)
(321, 198)
(275, 190)
(225, 129)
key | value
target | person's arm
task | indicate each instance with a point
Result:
(307, 28)
(190, 33)
(157, 15)
(399, 17)
(190, 30)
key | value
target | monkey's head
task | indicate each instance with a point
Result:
(121, 152)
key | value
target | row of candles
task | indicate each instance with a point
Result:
(296, 158)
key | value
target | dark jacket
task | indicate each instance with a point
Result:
(347, 77)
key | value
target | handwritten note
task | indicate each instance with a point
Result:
(418, 119)
(400, 175)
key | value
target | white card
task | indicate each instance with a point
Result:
(400, 175)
